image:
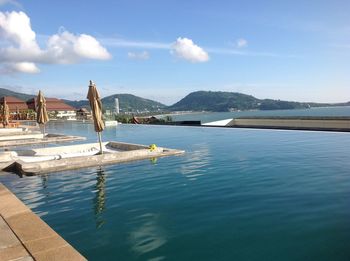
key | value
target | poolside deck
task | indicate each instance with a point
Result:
(26, 237)
(61, 158)
(29, 140)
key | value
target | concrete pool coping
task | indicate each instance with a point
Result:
(337, 124)
(61, 158)
(49, 138)
(26, 237)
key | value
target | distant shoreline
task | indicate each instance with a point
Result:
(182, 113)
(208, 112)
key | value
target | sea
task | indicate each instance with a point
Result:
(236, 194)
(206, 117)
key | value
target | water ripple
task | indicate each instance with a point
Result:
(243, 193)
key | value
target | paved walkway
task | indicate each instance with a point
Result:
(25, 237)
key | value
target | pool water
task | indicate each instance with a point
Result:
(237, 194)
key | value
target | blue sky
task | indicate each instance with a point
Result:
(163, 50)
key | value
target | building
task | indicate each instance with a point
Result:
(83, 114)
(116, 106)
(14, 104)
(56, 108)
(18, 108)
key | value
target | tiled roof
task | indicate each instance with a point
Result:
(14, 103)
(52, 104)
(10, 99)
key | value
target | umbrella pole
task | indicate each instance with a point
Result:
(100, 141)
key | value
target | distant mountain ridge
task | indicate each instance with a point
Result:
(22, 96)
(215, 101)
(127, 103)
(195, 101)
(231, 101)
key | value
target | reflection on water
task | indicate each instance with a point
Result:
(100, 198)
(153, 161)
(44, 181)
(44, 186)
(195, 162)
(282, 195)
(147, 234)
(35, 191)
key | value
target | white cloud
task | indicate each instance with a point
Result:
(25, 67)
(241, 43)
(138, 56)
(20, 50)
(184, 48)
(15, 28)
(88, 47)
(123, 43)
(68, 48)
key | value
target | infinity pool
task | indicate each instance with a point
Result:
(237, 194)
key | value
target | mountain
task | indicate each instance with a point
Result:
(77, 104)
(215, 101)
(127, 103)
(22, 96)
(195, 101)
(228, 101)
(269, 104)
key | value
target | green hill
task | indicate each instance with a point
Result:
(127, 103)
(132, 103)
(269, 104)
(195, 101)
(77, 104)
(22, 96)
(228, 101)
(215, 101)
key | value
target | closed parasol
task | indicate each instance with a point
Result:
(41, 113)
(5, 114)
(96, 108)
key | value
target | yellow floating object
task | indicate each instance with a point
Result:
(152, 147)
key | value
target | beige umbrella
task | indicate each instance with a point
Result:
(5, 114)
(96, 108)
(41, 114)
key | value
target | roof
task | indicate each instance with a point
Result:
(14, 103)
(11, 99)
(52, 104)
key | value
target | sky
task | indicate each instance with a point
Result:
(163, 49)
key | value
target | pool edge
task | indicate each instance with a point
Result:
(27, 236)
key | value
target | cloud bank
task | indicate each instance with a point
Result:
(184, 48)
(20, 52)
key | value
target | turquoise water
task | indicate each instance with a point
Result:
(237, 194)
(216, 116)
